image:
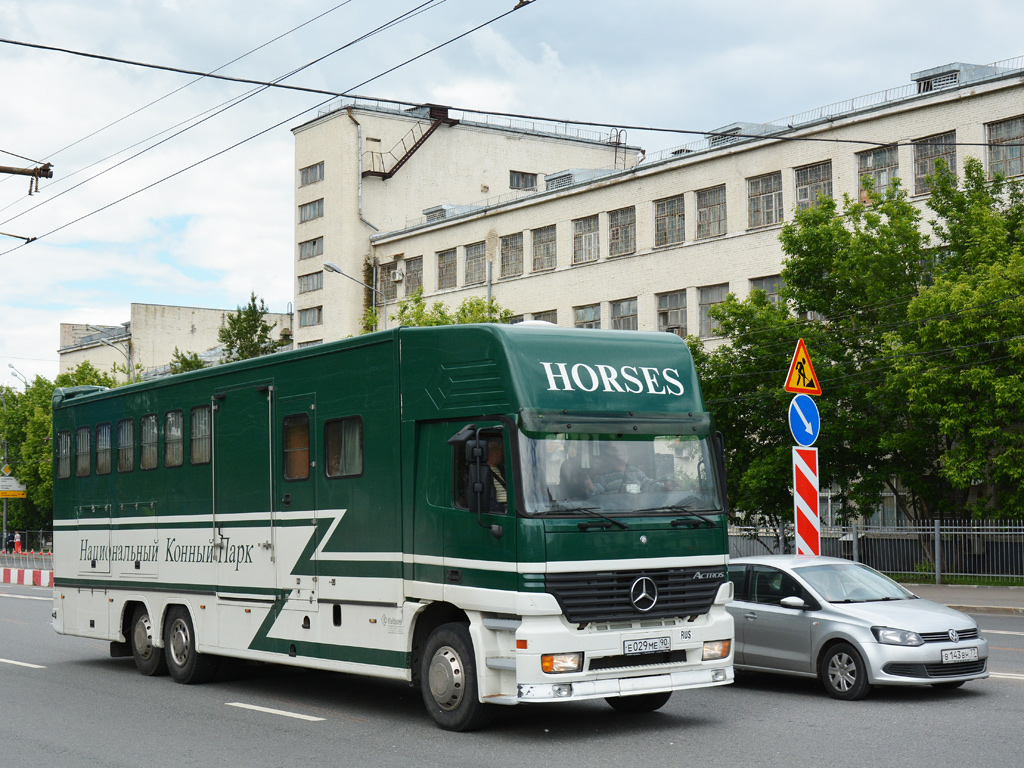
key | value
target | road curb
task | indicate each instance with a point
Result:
(996, 610)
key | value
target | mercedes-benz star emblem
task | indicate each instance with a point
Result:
(954, 636)
(643, 594)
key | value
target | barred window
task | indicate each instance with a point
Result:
(812, 180)
(310, 211)
(476, 263)
(343, 445)
(622, 231)
(926, 153)
(586, 243)
(83, 452)
(588, 316)
(125, 445)
(62, 452)
(624, 315)
(149, 441)
(311, 174)
(669, 221)
(103, 449)
(201, 435)
(386, 281)
(174, 439)
(672, 313)
(769, 285)
(711, 221)
(880, 165)
(413, 275)
(311, 316)
(709, 296)
(1005, 140)
(512, 255)
(764, 200)
(544, 248)
(548, 316)
(314, 281)
(447, 264)
(310, 248)
(295, 432)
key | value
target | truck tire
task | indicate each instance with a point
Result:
(186, 665)
(448, 680)
(149, 659)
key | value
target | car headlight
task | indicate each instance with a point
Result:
(889, 636)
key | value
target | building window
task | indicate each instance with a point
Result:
(545, 249)
(880, 165)
(669, 221)
(386, 280)
(512, 255)
(926, 152)
(149, 441)
(764, 200)
(311, 174)
(413, 275)
(709, 296)
(310, 211)
(588, 316)
(63, 454)
(174, 439)
(515, 319)
(447, 264)
(1004, 151)
(295, 443)
(672, 313)
(624, 315)
(520, 180)
(311, 282)
(312, 343)
(711, 212)
(476, 263)
(770, 285)
(812, 180)
(343, 446)
(622, 231)
(549, 316)
(125, 445)
(200, 435)
(311, 316)
(83, 452)
(103, 449)
(310, 248)
(586, 243)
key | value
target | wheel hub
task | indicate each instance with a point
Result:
(179, 643)
(842, 672)
(446, 678)
(144, 637)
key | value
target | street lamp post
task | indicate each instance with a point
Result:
(332, 267)
(18, 375)
(4, 401)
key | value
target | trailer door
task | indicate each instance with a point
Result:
(296, 502)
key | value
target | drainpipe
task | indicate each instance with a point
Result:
(359, 159)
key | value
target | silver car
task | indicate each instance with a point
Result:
(848, 625)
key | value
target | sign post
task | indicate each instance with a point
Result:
(805, 426)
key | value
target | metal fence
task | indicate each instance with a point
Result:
(978, 552)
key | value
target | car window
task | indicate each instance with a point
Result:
(737, 575)
(770, 585)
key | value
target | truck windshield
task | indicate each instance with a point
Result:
(649, 474)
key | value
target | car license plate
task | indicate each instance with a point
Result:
(646, 645)
(955, 655)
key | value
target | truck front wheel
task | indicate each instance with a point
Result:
(448, 680)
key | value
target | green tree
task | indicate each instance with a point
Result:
(413, 311)
(186, 361)
(247, 334)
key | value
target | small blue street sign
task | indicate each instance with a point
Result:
(804, 420)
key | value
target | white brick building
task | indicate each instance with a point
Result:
(646, 242)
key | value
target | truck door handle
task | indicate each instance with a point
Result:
(453, 576)
(287, 500)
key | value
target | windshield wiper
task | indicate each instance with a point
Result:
(689, 514)
(590, 510)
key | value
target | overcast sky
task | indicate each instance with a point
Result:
(211, 234)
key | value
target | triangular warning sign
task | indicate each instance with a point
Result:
(802, 379)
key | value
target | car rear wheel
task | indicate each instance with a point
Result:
(844, 674)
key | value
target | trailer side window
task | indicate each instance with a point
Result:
(296, 446)
(103, 446)
(125, 445)
(174, 439)
(343, 446)
(63, 454)
(200, 431)
(83, 452)
(150, 439)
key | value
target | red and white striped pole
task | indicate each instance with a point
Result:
(805, 501)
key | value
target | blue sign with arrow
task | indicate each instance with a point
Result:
(804, 420)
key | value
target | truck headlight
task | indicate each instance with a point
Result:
(561, 663)
(888, 636)
(716, 649)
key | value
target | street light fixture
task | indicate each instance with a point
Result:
(332, 267)
(18, 374)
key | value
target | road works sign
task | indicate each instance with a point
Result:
(805, 501)
(801, 379)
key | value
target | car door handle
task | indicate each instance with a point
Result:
(750, 615)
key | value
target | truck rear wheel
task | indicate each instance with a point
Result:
(149, 659)
(185, 664)
(448, 680)
(642, 702)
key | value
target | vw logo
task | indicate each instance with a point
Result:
(643, 594)
(954, 636)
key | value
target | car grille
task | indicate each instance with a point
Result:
(642, 660)
(605, 596)
(936, 670)
(943, 637)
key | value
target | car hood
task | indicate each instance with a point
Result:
(917, 615)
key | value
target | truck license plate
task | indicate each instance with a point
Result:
(955, 655)
(646, 645)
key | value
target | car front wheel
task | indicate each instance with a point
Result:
(844, 674)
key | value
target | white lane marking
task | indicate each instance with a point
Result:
(1001, 632)
(21, 664)
(269, 711)
(1005, 676)
(26, 597)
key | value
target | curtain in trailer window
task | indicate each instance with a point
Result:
(103, 447)
(83, 452)
(125, 445)
(296, 447)
(200, 435)
(174, 439)
(63, 451)
(343, 445)
(150, 437)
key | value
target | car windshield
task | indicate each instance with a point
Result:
(852, 583)
(648, 474)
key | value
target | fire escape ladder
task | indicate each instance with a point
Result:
(411, 142)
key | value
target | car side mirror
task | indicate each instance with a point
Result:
(796, 603)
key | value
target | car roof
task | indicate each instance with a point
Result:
(790, 561)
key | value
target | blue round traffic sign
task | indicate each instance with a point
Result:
(804, 420)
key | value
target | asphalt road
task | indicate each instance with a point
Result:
(75, 706)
